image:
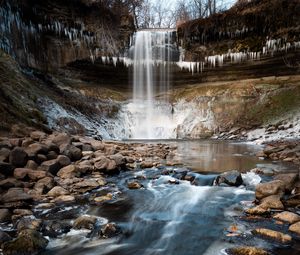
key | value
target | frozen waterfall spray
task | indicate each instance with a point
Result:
(153, 52)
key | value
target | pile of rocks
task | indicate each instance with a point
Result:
(278, 200)
(288, 151)
(43, 171)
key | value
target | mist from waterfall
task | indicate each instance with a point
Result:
(153, 52)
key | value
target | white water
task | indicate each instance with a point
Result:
(151, 75)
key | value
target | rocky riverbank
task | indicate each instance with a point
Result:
(41, 174)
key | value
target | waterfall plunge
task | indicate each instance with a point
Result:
(152, 55)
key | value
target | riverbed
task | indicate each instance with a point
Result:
(169, 215)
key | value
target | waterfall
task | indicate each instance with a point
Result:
(152, 53)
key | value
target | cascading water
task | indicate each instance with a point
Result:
(152, 53)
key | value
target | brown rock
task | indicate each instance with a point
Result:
(36, 175)
(102, 199)
(31, 165)
(85, 222)
(287, 217)
(21, 173)
(28, 242)
(134, 185)
(63, 160)
(60, 139)
(295, 228)
(72, 152)
(15, 194)
(10, 183)
(52, 166)
(5, 215)
(289, 180)
(246, 250)
(274, 235)
(44, 185)
(97, 145)
(36, 148)
(18, 157)
(57, 191)
(272, 202)
(37, 135)
(109, 230)
(101, 163)
(86, 185)
(269, 188)
(29, 223)
(69, 171)
(65, 199)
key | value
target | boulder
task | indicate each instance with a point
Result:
(287, 217)
(102, 199)
(60, 139)
(44, 185)
(72, 152)
(18, 157)
(266, 189)
(97, 145)
(109, 230)
(52, 166)
(64, 199)
(257, 210)
(15, 194)
(85, 222)
(40, 158)
(289, 180)
(57, 191)
(101, 163)
(63, 160)
(232, 178)
(69, 171)
(21, 173)
(37, 135)
(272, 202)
(28, 242)
(6, 169)
(4, 154)
(10, 183)
(86, 185)
(51, 155)
(134, 185)
(274, 235)
(31, 165)
(246, 250)
(295, 228)
(36, 148)
(5, 215)
(4, 237)
(120, 160)
(29, 223)
(54, 229)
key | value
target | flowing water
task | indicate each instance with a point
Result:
(183, 219)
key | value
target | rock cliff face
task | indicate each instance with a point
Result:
(255, 39)
(46, 35)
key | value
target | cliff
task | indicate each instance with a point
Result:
(47, 35)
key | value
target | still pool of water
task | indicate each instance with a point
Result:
(182, 219)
